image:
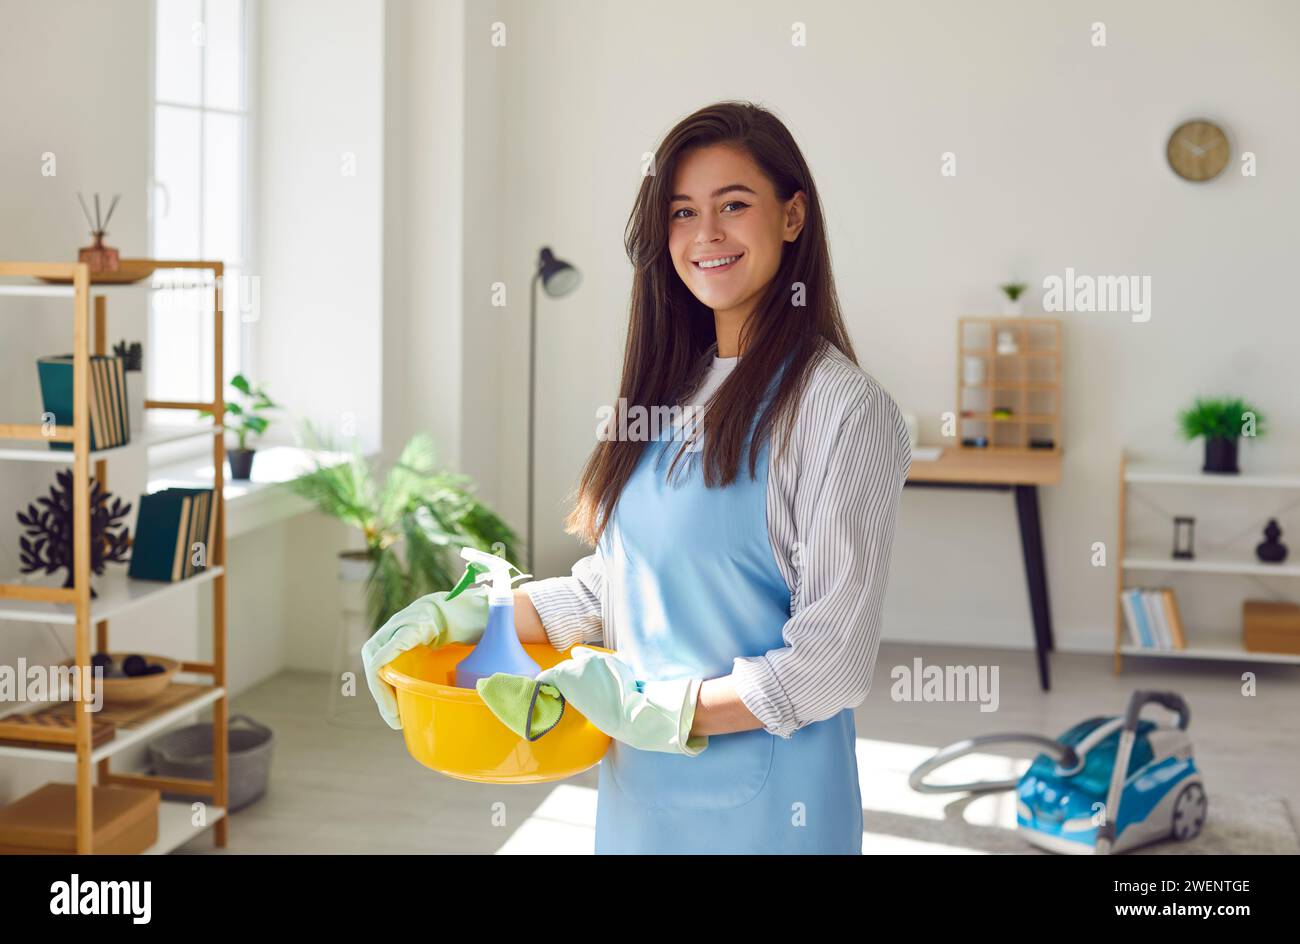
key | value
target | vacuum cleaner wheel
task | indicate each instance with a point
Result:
(1189, 812)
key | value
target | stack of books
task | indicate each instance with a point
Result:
(169, 527)
(1153, 618)
(110, 423)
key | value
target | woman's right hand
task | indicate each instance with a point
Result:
(433, 621)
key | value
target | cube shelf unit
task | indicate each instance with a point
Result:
(1224, 645)
(117, 593)
(1027, 382)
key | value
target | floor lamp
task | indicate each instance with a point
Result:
(558, 279)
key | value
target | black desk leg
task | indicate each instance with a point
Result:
(1031, 543)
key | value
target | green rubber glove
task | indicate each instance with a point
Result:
(432, 620)
(650, 716)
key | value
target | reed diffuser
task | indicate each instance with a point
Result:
(97, 256)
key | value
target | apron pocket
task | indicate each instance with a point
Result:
(731, 771)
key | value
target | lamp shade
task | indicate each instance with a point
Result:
(559, 278)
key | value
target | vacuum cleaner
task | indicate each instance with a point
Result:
(1142, 773)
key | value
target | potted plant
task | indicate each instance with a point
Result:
(1221, 421)
(47, 544)
(414, 521)
(243, 415)
(1013, 291)
(133, 361)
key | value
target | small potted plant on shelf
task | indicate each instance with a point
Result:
(1221, 421)
(133, 362)
(243, 415)
(47, 543)
(1013, 291)
(418, 509)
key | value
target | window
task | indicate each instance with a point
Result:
(200, 201)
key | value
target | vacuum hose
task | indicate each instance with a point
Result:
(1061, 753)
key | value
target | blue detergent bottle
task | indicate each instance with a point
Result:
(500, 649)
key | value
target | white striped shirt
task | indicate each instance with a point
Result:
(832, 499)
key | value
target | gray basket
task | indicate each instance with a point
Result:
(187, 752)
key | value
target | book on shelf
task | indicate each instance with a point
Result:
(110, 423)
(168, 526)
(1153, 618)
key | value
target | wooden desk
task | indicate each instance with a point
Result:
(1021, 472)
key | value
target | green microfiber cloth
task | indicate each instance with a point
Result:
(525, 706)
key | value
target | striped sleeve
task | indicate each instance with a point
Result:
(836, 544)
(570, 607)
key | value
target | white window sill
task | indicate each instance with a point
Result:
(264, 500)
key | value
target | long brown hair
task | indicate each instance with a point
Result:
(671, 330)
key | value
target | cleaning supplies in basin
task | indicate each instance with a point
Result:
(500, 649)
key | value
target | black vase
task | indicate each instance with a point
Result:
(1221, 456)
(241, 463)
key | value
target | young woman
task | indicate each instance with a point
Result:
(738, 572)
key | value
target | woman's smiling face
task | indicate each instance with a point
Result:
(727, 226)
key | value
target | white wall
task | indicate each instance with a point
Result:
(321, 239)
(423, 223)
(1060, 163)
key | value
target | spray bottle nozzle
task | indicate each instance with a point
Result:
(484, 568)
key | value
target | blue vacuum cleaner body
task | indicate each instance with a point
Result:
(1144, 772)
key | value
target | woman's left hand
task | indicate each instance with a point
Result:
(650, 716)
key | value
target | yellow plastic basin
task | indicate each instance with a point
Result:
(451, 730)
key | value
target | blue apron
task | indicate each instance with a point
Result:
(693, 584)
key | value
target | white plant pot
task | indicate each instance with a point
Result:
(135, 389)
(1013, 309)
(353, 572)
(353, 631)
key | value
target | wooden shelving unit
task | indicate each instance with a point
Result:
(1027, 382)
(1222, 645)
(35, 601)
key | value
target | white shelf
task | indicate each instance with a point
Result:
(1221, 646)
(175, 826)
(36, 290)
(126, 737)
(1145, 473)
(118, 593)
(154, 434)
(1139, 558)
(39, 289)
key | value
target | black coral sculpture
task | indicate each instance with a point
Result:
(47, 542)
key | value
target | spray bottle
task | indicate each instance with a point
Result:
(500, 649)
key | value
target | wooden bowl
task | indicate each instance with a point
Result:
(120, 690)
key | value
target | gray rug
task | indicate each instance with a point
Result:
(1234, 826)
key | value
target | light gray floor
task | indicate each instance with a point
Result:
(352, 788)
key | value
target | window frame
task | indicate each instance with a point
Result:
(249, 81)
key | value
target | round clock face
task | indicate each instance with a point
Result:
(1197, 150)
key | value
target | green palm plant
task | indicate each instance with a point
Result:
(425, 513)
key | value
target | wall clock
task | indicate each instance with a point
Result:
(1197, 150)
